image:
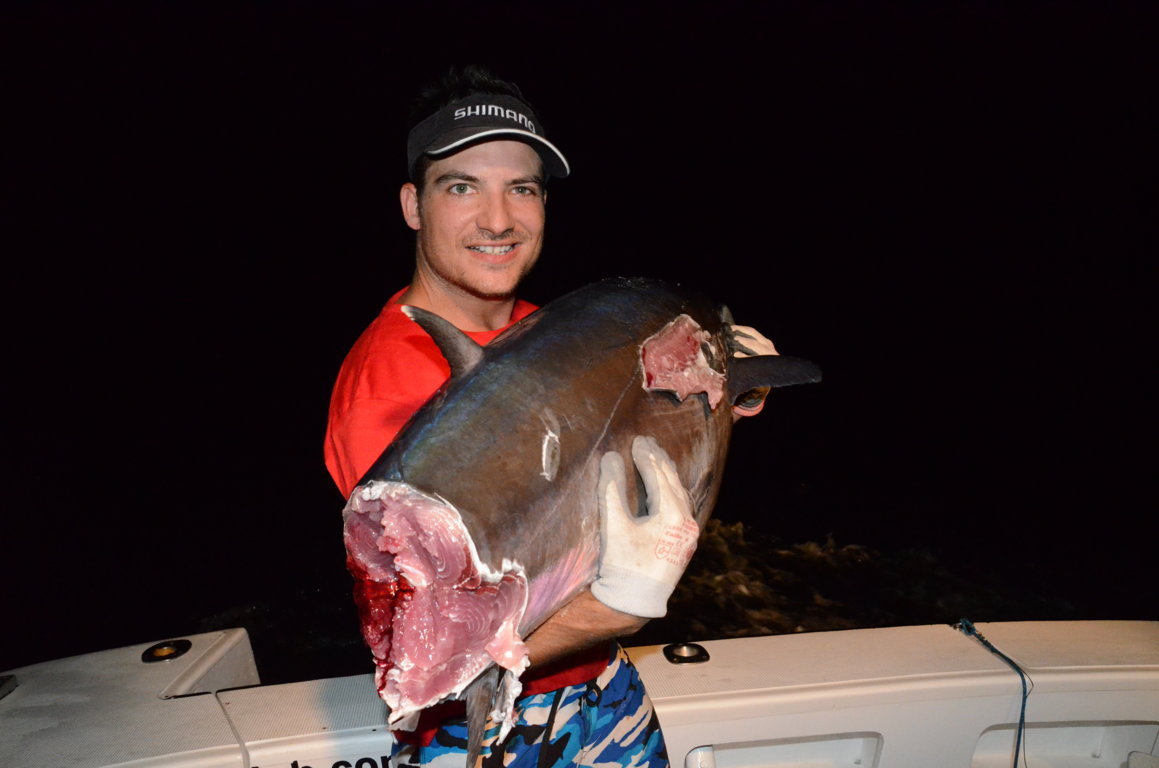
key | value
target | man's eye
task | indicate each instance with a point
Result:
(529, 191)
(460, 189)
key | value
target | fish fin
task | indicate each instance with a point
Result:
(480, 698)
(747, 373)
(460, 350)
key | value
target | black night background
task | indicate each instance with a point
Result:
(952, 207)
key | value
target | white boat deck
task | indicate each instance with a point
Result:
(902, 697)
(913, 696)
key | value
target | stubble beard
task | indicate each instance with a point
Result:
(482, 291)
(463, 281)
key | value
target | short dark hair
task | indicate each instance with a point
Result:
(454, 84)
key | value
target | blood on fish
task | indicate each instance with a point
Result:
(376, 602)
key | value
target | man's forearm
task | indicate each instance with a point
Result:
(582, 623)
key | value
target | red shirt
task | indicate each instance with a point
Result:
(389, 373)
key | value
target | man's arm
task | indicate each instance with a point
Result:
(580, 624)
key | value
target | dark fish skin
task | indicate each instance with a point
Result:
(573, 370)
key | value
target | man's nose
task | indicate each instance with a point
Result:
(495, 214)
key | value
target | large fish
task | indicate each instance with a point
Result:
(481, 519)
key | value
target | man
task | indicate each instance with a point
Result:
(479, 162)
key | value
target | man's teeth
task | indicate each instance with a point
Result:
(492, 250)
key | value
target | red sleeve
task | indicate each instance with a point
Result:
(358, 436)
(391, 370)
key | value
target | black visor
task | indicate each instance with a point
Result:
(483, 117)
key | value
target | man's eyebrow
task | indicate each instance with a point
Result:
(454, 175)
(536, 179)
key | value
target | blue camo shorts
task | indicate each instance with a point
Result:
(608, 721)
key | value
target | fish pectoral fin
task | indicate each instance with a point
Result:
(460, 350)
(480, 696)
(748, 373)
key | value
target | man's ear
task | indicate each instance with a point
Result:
(408, 197)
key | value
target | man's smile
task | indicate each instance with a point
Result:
(492, 250)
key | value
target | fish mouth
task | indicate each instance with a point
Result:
(432, 613)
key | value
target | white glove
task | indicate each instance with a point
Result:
(642, 558)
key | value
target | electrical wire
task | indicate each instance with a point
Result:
(965, 626)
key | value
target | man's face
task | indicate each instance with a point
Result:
(480, 219)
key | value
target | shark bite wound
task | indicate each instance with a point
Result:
(433, 615)
(673, 360)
